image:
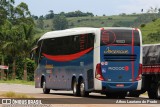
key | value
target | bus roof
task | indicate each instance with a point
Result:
(75, 31)
(67, 32)
(126, 28)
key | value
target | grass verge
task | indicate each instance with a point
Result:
(17, 82)
(15, 95)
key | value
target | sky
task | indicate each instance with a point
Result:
(97, 7)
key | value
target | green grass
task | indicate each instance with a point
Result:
(96, 21)
(38, 35)
(17, 82)
(99, 21)
(15, 95)
(149, 29)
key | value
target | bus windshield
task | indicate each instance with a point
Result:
(119, 37)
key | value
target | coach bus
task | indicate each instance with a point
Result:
(104, 60)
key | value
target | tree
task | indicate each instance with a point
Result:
(153, 10)
(60, 22)
(26, 24)
(27, 45)
(40, 23)
(4, 39)
(50, 15)
(159, 10)
(6, 8)
(17, 42)
(122, 14)
(63, 13)
(3, 15)
(22, 10)
(16, 29)
(35, 17)
(11, 46)
(41, 17)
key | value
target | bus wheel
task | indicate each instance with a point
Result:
(83, 93)
(75, 88)
(45, 90)
(158, 91)
(152, 93)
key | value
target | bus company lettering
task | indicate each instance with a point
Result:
(48, 66)
(109, 51)
(126, 68)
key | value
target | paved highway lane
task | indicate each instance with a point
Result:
(66, 97)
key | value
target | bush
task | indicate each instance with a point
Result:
(154, 20)
(109, 18)
(143, 25)
(20, 69)
(30, 69)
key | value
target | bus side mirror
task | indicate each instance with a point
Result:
(32, 55)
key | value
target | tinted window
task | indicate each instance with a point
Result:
(38, 55)
(109, 37)
(67, 45)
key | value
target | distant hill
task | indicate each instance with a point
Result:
(148, 23)
(133, 20)
(151, 32)
(96, 21)
(92, 21)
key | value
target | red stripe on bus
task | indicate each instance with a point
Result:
(119, 45)
(132, 54)
(64, 58)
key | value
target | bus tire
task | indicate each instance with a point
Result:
(75, 88)
(158, 91)
(83, 93)
(152, 91)
(45, 90)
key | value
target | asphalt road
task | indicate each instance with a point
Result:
(66, 97)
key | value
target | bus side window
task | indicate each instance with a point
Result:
(86, 41)
(91, 40)
(38, 55)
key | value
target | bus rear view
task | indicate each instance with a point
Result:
(120, 61)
